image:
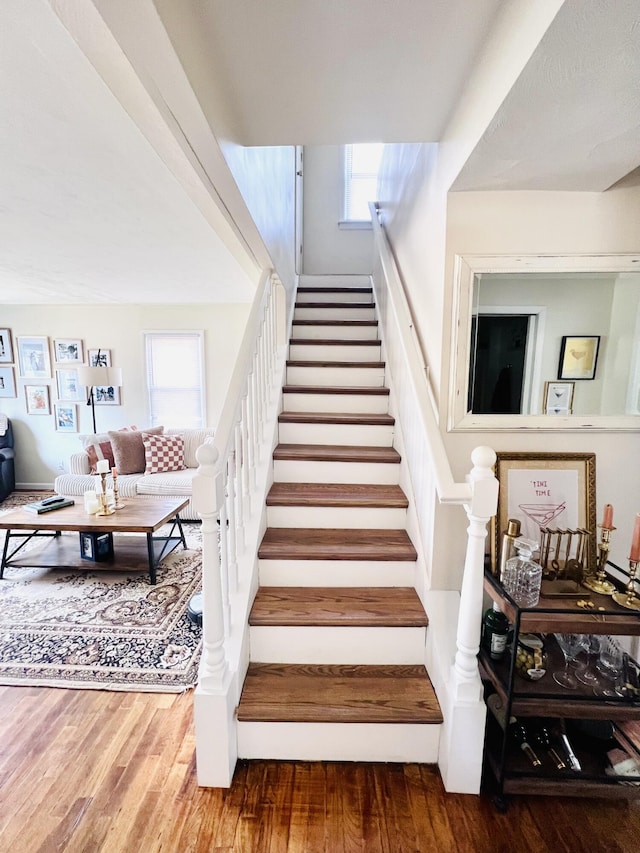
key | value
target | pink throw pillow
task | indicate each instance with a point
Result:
(163, 453)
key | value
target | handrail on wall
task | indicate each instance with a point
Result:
(449, 491)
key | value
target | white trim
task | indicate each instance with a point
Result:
(355, 225)
(466, 267)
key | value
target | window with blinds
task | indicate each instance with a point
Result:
(175, 381)
(361, 167)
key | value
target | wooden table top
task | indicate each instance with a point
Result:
(138, 515)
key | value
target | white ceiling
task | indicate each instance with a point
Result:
(90, 213)
(572, 121)
(335, 71)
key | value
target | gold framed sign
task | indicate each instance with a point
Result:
(545, 490)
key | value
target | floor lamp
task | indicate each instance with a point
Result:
(97, 377)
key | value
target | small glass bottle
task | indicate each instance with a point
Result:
(523, 576)
(495, 628)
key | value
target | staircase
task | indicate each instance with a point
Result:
(337, 630)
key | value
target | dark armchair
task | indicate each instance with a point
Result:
(7, 468)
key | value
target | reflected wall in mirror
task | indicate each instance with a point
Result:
(513, 320)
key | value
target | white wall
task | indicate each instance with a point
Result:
(427, 229)
(547, 223)
(40, 450)
(328, 249)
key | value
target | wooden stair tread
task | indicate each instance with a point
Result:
(336, 323)
(336, 453)
(341, 305)
(358, 290)
(347, 607)
(376, 390)
(367, 418)
(338, 694)
(311, 543)
(333, 342)
(337, 495)
(299, 363)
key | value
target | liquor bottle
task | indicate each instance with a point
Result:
(521, 736)
(523, 576)
(495, 627)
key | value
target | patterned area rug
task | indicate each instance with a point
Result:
(101, 630)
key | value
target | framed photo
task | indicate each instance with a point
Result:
(68, 384)
(7, 382)
(558, 398)
(545, 490)
(578, 357)
(68, 351)
(6, 348)
(99, 358)
(66, 417)
(33, 358)
(37, 397)
(106, 395)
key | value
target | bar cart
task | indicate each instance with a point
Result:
(549, 706)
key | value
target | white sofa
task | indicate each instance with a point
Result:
(165, 485)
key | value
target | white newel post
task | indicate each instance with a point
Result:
(214, 707)
(462, 741)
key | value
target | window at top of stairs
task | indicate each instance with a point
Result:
(361, 167)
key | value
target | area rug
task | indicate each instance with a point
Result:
(101, 630)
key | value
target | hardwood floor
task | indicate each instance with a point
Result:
(84, 771)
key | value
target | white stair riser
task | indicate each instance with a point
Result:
(339, 517)
(288, 471)
(372, 403)
(330, 280)
(339, 573)
(372, 377)
(337, 644)
(330, 296)
(368, 435)
(344, 312)
(396, 742)
(349, 333)
(335, 352)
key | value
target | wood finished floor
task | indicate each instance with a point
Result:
(86, 771)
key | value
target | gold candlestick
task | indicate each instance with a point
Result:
(105, 509)
(598, 582)
(628, 598)
(117, 503)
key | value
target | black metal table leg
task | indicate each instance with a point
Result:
(152, 558)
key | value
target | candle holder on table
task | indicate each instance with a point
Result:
(117, 503)
(628, 598)
(105, 509)
(598, 582)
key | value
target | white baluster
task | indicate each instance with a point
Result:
(231, 509)
(238, 483)
(246, 457)
(207, 499)
(255, 420)
(467, 684)
(224, 566)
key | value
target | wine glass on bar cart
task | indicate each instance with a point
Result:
(570, 645)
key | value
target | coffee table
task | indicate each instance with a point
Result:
(130, 553)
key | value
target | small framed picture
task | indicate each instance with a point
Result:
(37, 397)
(99, 358)
(6, 347)
(558, 398)
(7, 382)
(106, 395)
(33, 358)
(68, 351)
(66, 417)
(68, 384)
(578, 357)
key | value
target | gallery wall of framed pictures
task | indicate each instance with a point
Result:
(47, 371)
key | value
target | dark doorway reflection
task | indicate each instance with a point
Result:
(499, 346)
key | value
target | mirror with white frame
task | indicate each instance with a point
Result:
(512, 319)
